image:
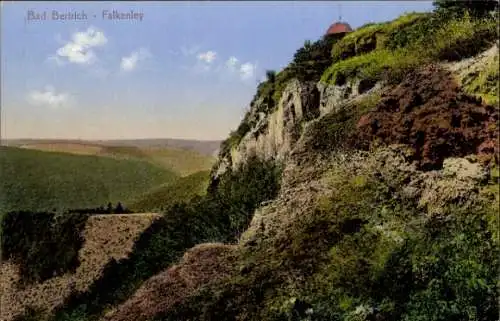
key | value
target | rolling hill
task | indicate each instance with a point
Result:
(208, 147)
(181, 160)
(39, 180)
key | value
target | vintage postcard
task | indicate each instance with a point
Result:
(249, 160)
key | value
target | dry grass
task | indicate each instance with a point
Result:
(106, 237)
(72, 148)
(199, 266)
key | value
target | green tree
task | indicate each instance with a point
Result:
(119, 208)
(109, 208)
(271, 79)
(476, 8)
(271, 76)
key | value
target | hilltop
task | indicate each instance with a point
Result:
(208, 147)
(362, 184)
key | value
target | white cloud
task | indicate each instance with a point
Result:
(79, 49)
(49, 98)
(247, 70)
(129, 63)
(232, 62)
(208, 56)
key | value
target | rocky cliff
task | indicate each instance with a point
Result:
(362, 184)
(387, 208)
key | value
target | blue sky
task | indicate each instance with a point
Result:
(187, 70)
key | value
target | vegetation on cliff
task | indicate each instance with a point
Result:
(387, 208)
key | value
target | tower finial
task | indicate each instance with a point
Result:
(340, 12)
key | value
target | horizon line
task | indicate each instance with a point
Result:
(114, 139)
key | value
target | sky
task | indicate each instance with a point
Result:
(167, 70)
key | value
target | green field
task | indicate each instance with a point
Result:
(182, 161)
(181, 189)
(38, 180)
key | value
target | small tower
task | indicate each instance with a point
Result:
(338, 29)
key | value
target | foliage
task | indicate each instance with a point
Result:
(43, 244)
(374, 66)
(364, 253)
(109, 209)
(455, 8)
(416, 32)
(463, 38)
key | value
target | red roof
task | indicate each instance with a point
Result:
(338, 27)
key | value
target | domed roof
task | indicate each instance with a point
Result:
(338, 27)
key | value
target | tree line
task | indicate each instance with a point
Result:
(108, 209)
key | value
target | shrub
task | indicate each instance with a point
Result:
(463, 38)
(398, 267)
(43, 244)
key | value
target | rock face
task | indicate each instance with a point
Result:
(333, 96)
(275, 134)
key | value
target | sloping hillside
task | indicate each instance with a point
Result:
(181, 160)
(180, 190)
(105, 238)
(36, 180)
(361, 185)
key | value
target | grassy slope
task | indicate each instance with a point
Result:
(182, 189)
(182, 161)
(406, 43)
(46, 180)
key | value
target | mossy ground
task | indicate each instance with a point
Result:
(484, 83)
(439, 40)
